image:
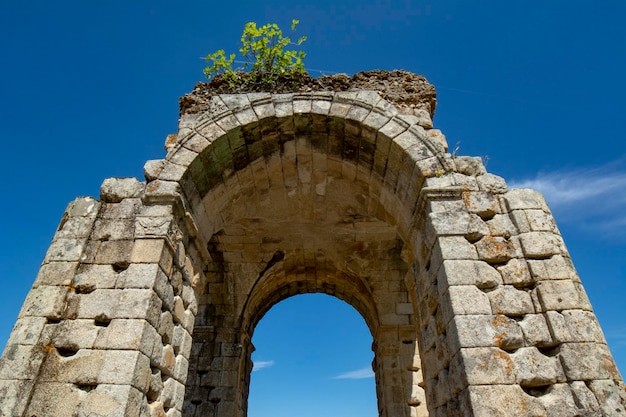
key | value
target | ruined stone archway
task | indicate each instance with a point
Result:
(145, 301)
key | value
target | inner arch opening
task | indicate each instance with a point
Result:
(313, 357)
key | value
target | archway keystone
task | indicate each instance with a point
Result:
(147, 300)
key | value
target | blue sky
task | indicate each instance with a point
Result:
(89, 90)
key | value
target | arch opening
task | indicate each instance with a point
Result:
(313, 357)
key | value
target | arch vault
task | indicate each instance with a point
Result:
(146, 301)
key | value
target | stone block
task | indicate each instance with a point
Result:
(114, 252)
(464, 300)
(113, 229)
(45, 400)
(74, 334)
(467, 272)
(556, 267)
(14, 397)
(166, 327)
(611, 395)
(129, 334)
(561, 295)
(586, 361)
(484, 331)
(76, 227)
(559, 402)
(574, 326)
(541, 245)
(488, 366)
(44, 301)
(181, 369)
(21, 362)
(182, 341)
(534, 369)
(66, 250)
(27, 331)
(56, 274)
(501, 225)
(584, 396)
(112, 401)
(510, 301)
(114, 190)
(125, 209)
(152, 169)
(515, 272)
(173, 394)
(536, 331)
(491, 183)
(482, 203)
(160, 192)
(126, 367)
(504, 400)
(524, 198)
(83, 206)
(469, 165)
(95, 276)
(125, 304)
(495, 249)
(452, 247)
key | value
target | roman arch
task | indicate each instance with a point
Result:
(147, 300)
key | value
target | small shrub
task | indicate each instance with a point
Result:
(265, 56)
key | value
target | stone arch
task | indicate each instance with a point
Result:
(145, 300)
(354, 153)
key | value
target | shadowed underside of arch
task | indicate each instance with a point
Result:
(146, 302)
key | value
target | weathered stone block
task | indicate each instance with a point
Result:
(534, 369)
(510, 401)
(524, 198)
(510, 301)
(173, 394)
(44, 301)
(611, 395)
(586, 361)
(561, 295)
(114, 190)
(14, 396)
(556, 267)
(495, 249)
(515, 272)
(484, 331)
(76, 227)
(74, 334)
(56, 274)
(536, 332)
(21, 362)
(27, 331)
(541, 245)
(129, 334)
(95, 276)
(491, 183)
(574, 326)
(467, 272)
(66, 250)
(487, 366)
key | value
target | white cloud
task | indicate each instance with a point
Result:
(358, 374)
(258, 365)
(590, 198)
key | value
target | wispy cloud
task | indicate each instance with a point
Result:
(258, 365)
(358, 374)
(591, 198)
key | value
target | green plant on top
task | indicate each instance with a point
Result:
(266, 58)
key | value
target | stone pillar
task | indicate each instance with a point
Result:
(107, 326)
